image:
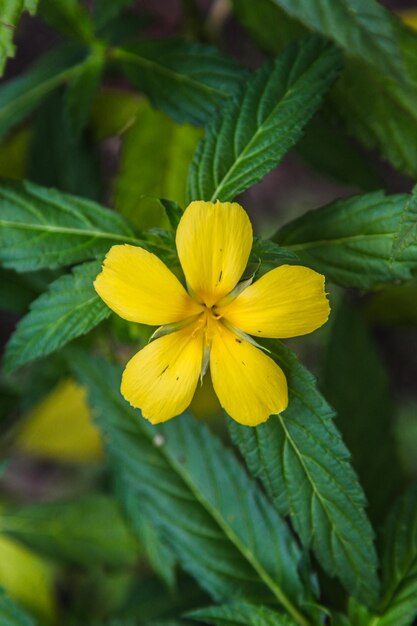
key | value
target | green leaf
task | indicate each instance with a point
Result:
(362, 29)
(88, 532)
(267, 254)
(304, 465)
(159, 555)
(10, 13)
(83, 88)
(365, 409)
(69, 17)
(21, 95)
(44, 228)
(70, 308)
(181, 468)
(407, 231)
(161, 151)
(185, 80)
(241, 615)
(366, 117)
(173, 211)
(249, 136)
(350, 241)
(11, 614)
(353, 98)
(399, 564)
(57, 157)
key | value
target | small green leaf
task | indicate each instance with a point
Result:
(241, 615)
(175, 468)
(69, 308)
(11, 614)
(44, 228)
(174, 212)
(253, 131)
(21, 95)
(185, 80)
(304, 465)
(86, 531)
(350, 241)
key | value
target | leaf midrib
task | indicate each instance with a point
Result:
(39, 87)
(137, 59)
(318, 495)
(261, 128)
(65, 230)
(231, 535)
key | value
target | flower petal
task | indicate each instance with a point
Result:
(249, 385)
(286, 302)
(139, 287)
(161, 379)
(214, 242)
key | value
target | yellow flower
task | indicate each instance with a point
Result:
(211, 323)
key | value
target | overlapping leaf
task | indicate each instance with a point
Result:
(350, 241)
(362, 28)
(353, 98)
(185, 80)
(69, 308)
(302, 461)
(175, 468)
(44, 228)
(250, 135)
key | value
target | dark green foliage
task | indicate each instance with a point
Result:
(173, 468)
(21, 95)
(252, 133)
(350, 241)
(304, 465)
(80, 532)
(70, 229)
(187, 81)
(69, 308)
(357, 385)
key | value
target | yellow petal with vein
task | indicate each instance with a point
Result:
(286, 302)
(249, 384)
(161, 379)
(139, 287)
(214, 242)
